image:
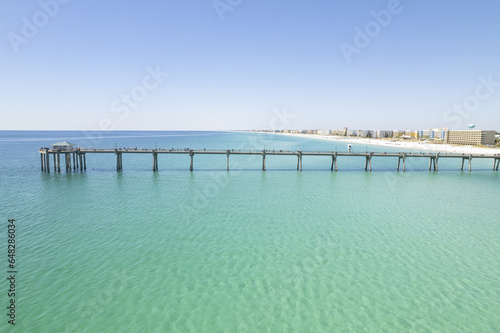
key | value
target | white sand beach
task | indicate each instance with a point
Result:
(405, 145)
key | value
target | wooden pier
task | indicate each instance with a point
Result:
(75, 159)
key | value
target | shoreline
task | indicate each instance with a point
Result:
(434, 147)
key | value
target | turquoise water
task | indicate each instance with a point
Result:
(247, 250)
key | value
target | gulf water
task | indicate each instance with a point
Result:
(246, 250)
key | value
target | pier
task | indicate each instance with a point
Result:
(75, 158)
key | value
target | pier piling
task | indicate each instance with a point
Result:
(81, 160)
(264, 160)
(47, 160)
(334, 162)
(119, 164)
(155, 160)
(433, 163)
(228, 159)
(368, 161)
(68, 162)
(402, 157)
(192, 156)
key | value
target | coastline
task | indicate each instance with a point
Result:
(434, 147)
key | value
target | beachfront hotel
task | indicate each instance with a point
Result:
(473, 137)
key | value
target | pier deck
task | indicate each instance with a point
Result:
(75, 159)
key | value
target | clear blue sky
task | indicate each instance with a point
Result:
(236, 64)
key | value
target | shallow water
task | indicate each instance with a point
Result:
(247, 250)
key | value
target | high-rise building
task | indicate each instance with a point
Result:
(471, 137)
